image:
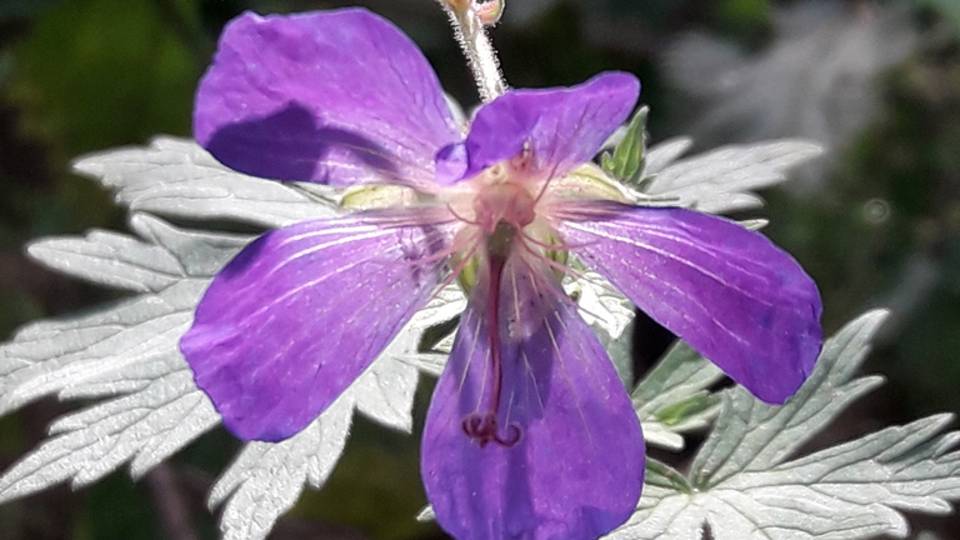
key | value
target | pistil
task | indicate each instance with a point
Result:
(483, 426)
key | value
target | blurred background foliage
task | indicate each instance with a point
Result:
(877, 222)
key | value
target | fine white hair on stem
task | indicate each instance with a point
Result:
(471, 33)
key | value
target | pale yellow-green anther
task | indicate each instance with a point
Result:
(590, 182)
(378, 196)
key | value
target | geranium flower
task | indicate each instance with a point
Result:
(530, 433)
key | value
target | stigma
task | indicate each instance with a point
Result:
(482, 429)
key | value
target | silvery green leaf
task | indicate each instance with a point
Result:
(673, 398)
(620, 351)
(426, 515)
(146, 426)
(385, 392)
(441, 310)
(610, 313)
(111, 259)
(661, 155)
(723, 180)
(754, 224)
(600, 304)
(178, 178)
(747, 483)
(266, 479)
(736, 446)
(431, 362)
(444, 306)
(170, 266)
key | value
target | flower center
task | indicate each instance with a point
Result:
(504, 212)
(508, 202)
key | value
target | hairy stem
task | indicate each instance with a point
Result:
(481, 56)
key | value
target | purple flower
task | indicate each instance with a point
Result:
(530, 433)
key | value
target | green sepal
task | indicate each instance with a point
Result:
(626, 161)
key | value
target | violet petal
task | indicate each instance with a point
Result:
(562, 127)
(576, 468)
(302, 311)
(338, 97)
(730, 293)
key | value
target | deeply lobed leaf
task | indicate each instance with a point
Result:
(743, 487)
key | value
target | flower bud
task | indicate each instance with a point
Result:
(458, 6)
(490, 11)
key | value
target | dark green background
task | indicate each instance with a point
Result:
(83, 75)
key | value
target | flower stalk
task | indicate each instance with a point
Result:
(470, 19)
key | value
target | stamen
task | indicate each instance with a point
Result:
(580, 275)
(461, 218)
(553, 264)
(434, 257)
(543, 190)
(561, 246)
(577, 274)
(562, 268)
(455, 272)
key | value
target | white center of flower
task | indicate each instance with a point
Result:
(508, 202)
